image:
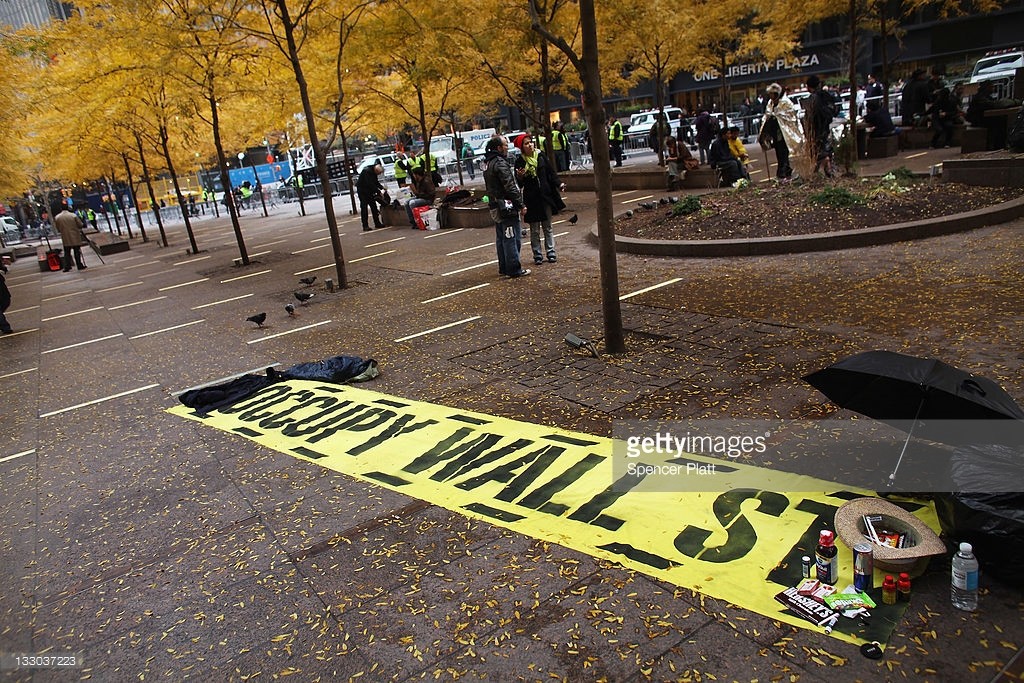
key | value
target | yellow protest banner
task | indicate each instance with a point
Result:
(741, 543)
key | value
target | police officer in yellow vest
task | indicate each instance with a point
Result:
(615, 138)
(402, 168)
(418, 162)
(560, 146)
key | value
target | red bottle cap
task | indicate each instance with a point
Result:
(826, 538)
(889, 582)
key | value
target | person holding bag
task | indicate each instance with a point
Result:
(540, 194)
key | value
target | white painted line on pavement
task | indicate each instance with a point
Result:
(560, 234)
(184, 284)
(142, 265)
(624, 193)
(19, 332)
(377, 244)
(67, 296)
(99, 400)
(318, 239)
(191, 260)
(260, 246)
(136, 303)
(129, 258)
(461, 291)
(24, 277)
(463, 251)
(111, 289)
(443, 232)
(438, 329)
(650, 289)
(222, 301)
(313, 270)
(321, 230)
(281, 334)
(319, 246)
(22, 310)
(363, 258)
(919, 154)
(242, 277)
(168, 329)
(19, 372)
(68, 315)
(159, 272)
(91, 341)
(227, 379)
(638, 199)
(260, 253)
(463, 270)
(24, 284)
(17, 455)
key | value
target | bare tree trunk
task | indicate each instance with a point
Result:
(590, 77)
(152, 195)
(853, 79)
(318, 153)
(225, 181)
(135, 200)
(182, 204)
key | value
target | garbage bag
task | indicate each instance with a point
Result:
(339, 369)
(207, 399)
(982, 512)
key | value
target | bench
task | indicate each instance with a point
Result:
(108, 243)
(881, 147)
(702, 178)
(975, 139)
(916, 138)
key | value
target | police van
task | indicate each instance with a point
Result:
(642, 122)
(999, 67)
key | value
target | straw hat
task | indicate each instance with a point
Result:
(849, 525)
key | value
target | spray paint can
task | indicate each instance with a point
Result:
(863, 567)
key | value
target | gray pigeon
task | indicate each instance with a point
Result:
(259, 318)
(290, 309)
(573, 219)
(303, 297)
(308, 281)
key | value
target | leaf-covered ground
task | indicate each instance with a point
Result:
(774, 209)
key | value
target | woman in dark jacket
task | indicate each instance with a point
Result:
(541, 196)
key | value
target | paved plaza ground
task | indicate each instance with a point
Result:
(160, 549)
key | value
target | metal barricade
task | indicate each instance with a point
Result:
(579, 158)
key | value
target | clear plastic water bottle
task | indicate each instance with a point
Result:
(964, 586)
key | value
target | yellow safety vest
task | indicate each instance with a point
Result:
(615, 132)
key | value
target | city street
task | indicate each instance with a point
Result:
(158, 547)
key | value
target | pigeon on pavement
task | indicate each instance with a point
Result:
(573, 219)
(303, 297)
(258, 319)
(289, 309)
(308, 281)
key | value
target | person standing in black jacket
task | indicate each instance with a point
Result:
(369, 189)
(506, 205)
(5, 301)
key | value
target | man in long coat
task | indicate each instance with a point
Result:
(70, 228)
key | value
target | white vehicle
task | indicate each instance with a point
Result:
(641, 123)
(387, 160)
(9, 230)
(1000, 68)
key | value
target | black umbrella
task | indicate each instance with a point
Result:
(904, 390)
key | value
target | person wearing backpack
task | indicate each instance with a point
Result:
(506, 205)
